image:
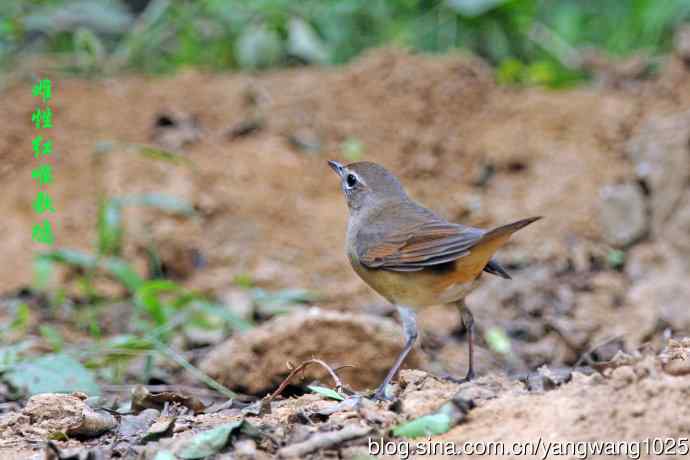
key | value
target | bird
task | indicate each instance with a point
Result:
(411, 256)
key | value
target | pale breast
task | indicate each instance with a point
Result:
(457, 291)
(412, 289)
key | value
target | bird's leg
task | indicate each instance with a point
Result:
(468, 322)
(409, 323)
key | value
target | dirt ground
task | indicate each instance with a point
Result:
(269, 207)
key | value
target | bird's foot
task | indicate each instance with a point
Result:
(382, 395)
(467, 378)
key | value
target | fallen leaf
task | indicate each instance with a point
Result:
(208, 442)
(441, 421)
(142, 399)
(52, 373)
(92, 423)
(327, 392)
(161, 428)
(164, 455)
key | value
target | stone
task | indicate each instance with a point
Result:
(668, 294)
(681, 42)
(677, 230)
(623, 214)
(661, 157)
(256, 361)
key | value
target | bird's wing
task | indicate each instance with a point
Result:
(420, 245)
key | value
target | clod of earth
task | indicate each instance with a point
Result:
(623, 214)
(660, 153)
(255, 361)
(51, 414)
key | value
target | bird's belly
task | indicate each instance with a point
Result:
(457, 291)
(413, 289)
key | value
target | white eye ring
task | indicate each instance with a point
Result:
(351, 180)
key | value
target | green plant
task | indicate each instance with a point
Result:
(102, 36)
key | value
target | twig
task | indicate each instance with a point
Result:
(323, 440)
(266, 402)
(334, 376)
(344, 366)
(284, 383)
(586, 356)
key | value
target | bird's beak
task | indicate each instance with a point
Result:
(335, 166)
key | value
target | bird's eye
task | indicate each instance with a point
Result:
(351, 180)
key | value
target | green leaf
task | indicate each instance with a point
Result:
(103, 17)
(541, 73)
(166, 203)
(305, 43)
(473, 8)
(44, 273)
(52, 336)
(208, 442)
(105, 147)
(52, 373)
(280, 302)
(236, 322)
(70, 257)
(244, 280)
(498, 340)
(127, 342)
(441, 421)
(164, 455)
(22, 316)
(116, 267)
(157, 153)
(88, 49)
(510, 71)
(327, 392)
(9, 355)
(427, 425)
(149, 297)
(258, 47)
(110, 227)
(122, 272)
(615, 258)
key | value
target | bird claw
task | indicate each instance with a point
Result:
(469, 377)
(381, 395)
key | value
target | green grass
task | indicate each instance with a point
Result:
(231, 34)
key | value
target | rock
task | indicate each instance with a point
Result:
(488, 387)
(422, 393)
(623, 214)
(661, 157)
(677, 231)
(54, 412)
(174, 131)
(50, 413)
(622, 377)
(681, 42)
(665, 293)
(256, 361)
(675, 358)
(239, 301)
(603, 312)
(644, 259)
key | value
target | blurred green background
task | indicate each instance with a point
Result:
(529, 41)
